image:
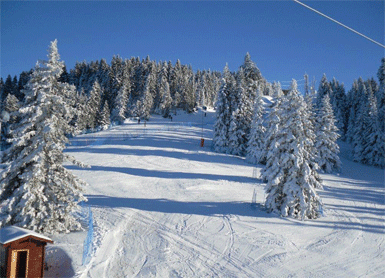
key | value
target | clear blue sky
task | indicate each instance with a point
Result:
(284, 39)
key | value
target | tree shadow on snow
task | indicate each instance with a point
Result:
(222, 209)
(206, 156)
(358, 194)
(164, 174)
(172, 206)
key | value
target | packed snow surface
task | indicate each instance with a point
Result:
(165, 207)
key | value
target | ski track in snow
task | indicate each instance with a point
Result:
(164, 207)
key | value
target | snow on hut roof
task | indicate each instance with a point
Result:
(13, 233)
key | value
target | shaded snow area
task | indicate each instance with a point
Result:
(165, 207)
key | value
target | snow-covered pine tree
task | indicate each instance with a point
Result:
(237, 135)
(118, 114)
(7, 88)
(166, 100)
(64, 76)
(118, 77)
(11, 103)
(358, 139)
(381, 113)
(81, 114)
(339, 106)
(104, 119)
(23, 80)
(241, 117)
(380, 94)
(352, 106)
(272, 126)
(223, 112)
(256, 143)
(290, 173)
(250, 78)
(176, 75)
(144, 105)
(371, 153)
(36, 191)
(277, 91)
(306, 85)
(186, 88)
(94, 103)
(326, 138)
(202, 90)
(15, 86)
(323, 89)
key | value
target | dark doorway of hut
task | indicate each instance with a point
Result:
(20, 264)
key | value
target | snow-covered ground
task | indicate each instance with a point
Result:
(165, 207)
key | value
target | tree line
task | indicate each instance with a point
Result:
(296, 136)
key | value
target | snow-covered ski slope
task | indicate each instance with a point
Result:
(165, 207)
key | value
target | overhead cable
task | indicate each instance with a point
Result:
(343, 25)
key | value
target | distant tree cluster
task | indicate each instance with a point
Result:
(126, 88)
(135, 88)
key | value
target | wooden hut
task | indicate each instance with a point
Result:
(22, 252)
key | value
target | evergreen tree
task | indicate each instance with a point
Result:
(15, 87)
(380, 95)
(290, 174)
(145, 103)
(277, 91)
(381, 113)
(23, 80)
(7, 88)
(256, 142)
(164, 95)
(188, 98)
(94, 103)
(80, 120)
(352, 105)
(166, 102)
(64, 76)
(241, 117)
(223, 112)
(201, 94)
(252, 81)
(119, 111)
(360, 121)
(371, 153)
(323, 89)
(339, 105)
(272, 127)
(37, 191)
(104, 121)
(11, 103)
(326, 142)
(306, 85)
(252, 76)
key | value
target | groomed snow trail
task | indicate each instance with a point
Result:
(165, 207)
